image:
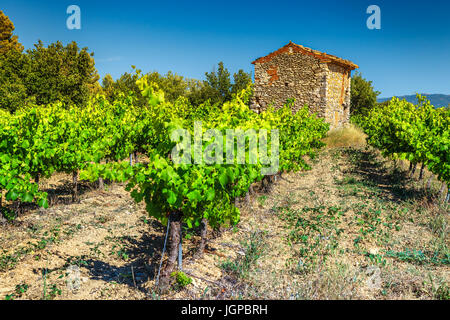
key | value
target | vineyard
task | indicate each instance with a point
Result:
(107, 145)
(419, 134)
(90, 144)
(145, 157)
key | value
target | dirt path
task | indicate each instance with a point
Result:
(352, 227)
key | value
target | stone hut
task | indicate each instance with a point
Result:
(314, 78)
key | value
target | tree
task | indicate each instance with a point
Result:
(126, 85)
(363, 95)
(108, 85)
(14, 68)
(218, 87)
(197, 91)
(8, 41)
(173, 85)
(218, 84)
(61, 73)
(43, 75)
(241, 80)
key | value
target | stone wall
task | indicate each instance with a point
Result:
(338, 96)
(321, 84)
(290, 75)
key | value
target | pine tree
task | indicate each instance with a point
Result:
(8, 41)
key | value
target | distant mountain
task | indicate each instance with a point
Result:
(437, 100)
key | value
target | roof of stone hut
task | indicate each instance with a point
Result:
(325, 57)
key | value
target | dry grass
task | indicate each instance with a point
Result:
(339, 281)
(346, 137)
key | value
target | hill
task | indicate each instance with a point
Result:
(437, 100)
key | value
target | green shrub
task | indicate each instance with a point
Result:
(181, 278)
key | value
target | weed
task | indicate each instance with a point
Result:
(120, 252)
(18, 292)
(419, 257)
(181, 279)
(8, 214)
(144, 219)
(262, 200)
(442, 292)
(72, 230)
(101, 220)
(118, 247)
(254, 248)
(438, 224)
(53, 292)
(313, 233)
(376, 259)
(337, 282)
(95, 249)
(76, 260)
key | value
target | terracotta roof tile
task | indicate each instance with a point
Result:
(298, 48)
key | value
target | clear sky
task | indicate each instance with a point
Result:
(410, 53)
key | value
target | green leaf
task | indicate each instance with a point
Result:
(12, 195)
(25, 144)
(172, 197)
(43, 203)
(223, 178)
(210, 194)
(194, 195)
(27, 197)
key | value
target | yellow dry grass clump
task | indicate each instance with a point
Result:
(348, 136)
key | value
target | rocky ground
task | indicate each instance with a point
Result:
(353, 227)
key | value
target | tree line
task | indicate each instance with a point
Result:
(67, 73)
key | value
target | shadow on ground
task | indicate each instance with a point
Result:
(142, 263)
(393, 181)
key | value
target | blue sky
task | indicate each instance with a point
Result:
(411, 52)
